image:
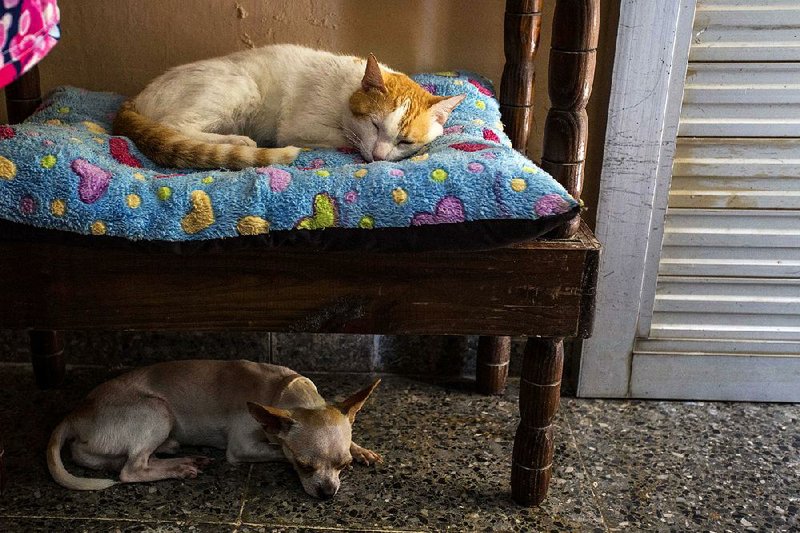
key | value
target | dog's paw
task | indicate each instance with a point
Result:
(187, 471)
(364, 456)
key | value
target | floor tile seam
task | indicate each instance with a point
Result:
(115, 519)
(244, 497)
(597, 500)
(333, 528)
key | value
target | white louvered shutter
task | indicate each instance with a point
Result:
(726, 319)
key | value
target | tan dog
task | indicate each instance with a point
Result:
(256, 412)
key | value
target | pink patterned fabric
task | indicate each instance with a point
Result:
(28, 31)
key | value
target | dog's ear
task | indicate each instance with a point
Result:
(272, 419)
(354, 403)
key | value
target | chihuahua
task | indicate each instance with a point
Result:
(254, 411)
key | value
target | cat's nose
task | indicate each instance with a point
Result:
(381, 151)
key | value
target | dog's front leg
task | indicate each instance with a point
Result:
(252, 448)
(363, 455)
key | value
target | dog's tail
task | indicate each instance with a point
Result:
(170, 148)
(60, 435)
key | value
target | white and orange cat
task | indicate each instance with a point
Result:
(255, 107)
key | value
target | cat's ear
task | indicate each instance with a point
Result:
(373, 79)
(442, 106)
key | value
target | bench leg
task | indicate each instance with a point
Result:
(47, 356)
(539, 396)
(492, 366)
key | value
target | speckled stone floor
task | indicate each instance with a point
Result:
(634, 466)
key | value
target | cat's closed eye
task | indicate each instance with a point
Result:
(404, 143)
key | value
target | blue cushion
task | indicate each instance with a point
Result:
(61, 169)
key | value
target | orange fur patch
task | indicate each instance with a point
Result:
(416, 121)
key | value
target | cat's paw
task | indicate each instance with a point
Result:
(242, 140)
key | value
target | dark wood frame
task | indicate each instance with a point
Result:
(541, 289)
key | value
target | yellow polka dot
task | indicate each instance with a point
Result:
(58, 207)
(208, 179)
(139, 176)
(94, 127)
(75, 140)
(421, 157)
(7, 169)
(480, 104)
(48, 161)
(478, 122)
(400, 196)
(499, 125)
(366, 222)
(53, 122)
(63, 110)
(133, 201)
(98, 140)
(252, 225)
(98, 227)
(529, 170)
(448, 73)
(360, 173)
(439, 175)
(458, 82)
(164, 193)
(323, 173)
(519, 184)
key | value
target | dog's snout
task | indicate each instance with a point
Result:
(326, 491)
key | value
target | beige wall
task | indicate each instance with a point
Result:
(119, 45)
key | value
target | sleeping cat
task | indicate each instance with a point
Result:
(216, 113)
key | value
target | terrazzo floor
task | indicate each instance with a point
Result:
(620, 465)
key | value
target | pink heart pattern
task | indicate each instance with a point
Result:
(120, 151)
(279, 179)
(94, 180)
(449, 210)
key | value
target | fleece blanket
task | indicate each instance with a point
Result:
(62, 169)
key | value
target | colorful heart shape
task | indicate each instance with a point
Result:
(449, 210)
(326, 213)
(120, 151)
(93, 182)
(491, 136)
(201, 214)
(6, 132)
(279, 179)
(481, 88)
(315, 164)
(470, 147)
(551, 204)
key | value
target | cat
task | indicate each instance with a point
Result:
(217, 113)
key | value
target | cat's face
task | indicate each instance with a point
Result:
(391, 117)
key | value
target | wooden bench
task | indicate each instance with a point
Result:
(542, 289)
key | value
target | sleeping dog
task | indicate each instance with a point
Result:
(255, 411)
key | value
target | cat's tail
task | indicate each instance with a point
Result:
(60, 435)
(168, 147)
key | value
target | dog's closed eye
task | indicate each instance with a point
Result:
(304, 467)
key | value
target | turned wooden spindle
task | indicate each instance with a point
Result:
(23, 96)
(539, 396)
(571, 72)
(523, 21)
(47, 356)
(492, 369)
